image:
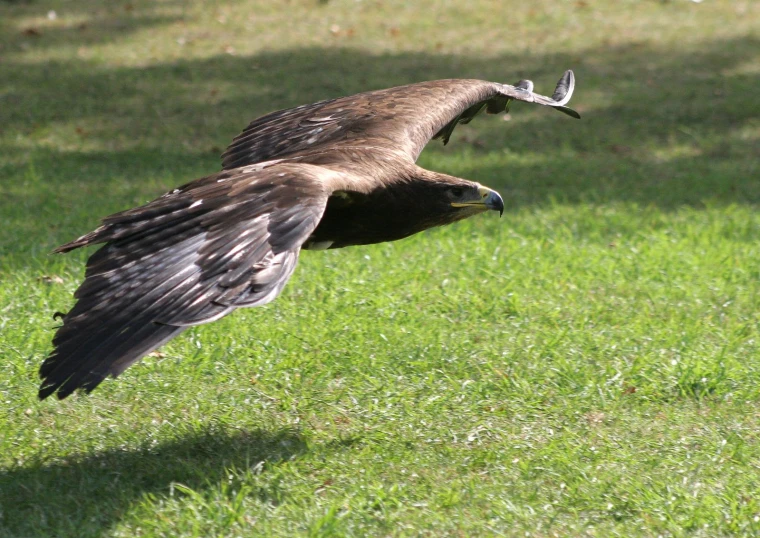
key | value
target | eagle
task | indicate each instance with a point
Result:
(330, 174)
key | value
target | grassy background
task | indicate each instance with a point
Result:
(588, 365)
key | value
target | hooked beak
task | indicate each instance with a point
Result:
(489, 199)
(492, 200)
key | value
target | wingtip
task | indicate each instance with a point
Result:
(49, 384)
(45, 391)
(569, 111)
(564, 89)
(563, 92)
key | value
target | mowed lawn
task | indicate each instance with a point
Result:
(588, 365)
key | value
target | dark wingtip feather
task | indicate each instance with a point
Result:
(53, 379)
(58, 386)
(569, 111)
(46, 391)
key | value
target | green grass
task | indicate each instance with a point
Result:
(589, 365)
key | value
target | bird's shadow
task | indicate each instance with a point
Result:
(86, 496)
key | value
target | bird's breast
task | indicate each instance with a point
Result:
(358, 219)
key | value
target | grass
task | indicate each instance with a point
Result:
(586, 366)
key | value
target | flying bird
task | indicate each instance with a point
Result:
(331, 174)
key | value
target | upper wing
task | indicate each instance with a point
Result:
(405, 118)
(189, 257)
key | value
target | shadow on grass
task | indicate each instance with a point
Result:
(86, 496)
(101, 21)
(660, 127)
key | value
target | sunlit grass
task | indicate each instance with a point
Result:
(587, 365)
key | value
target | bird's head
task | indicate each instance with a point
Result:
(458, 199)
(448, 199)
(473, 198)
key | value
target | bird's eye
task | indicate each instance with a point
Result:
(456, 191)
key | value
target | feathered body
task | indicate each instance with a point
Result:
(327, 175)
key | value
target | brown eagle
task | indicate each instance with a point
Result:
(331, 174)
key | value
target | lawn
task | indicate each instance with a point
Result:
(588, 365)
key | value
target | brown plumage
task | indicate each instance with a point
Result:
(327, 175)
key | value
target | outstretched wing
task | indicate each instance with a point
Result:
(405, 118)
(189, 257)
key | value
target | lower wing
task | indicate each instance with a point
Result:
(189, 257)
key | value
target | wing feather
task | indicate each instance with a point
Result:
(405, 116)
(189, 257)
